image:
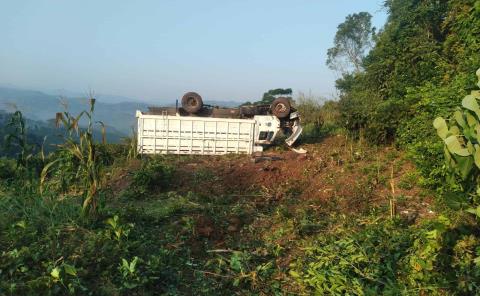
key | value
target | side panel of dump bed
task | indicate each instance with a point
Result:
(166, 134)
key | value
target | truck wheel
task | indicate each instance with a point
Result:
(192, 102)
(280, 107)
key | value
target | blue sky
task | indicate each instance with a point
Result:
(148, 50)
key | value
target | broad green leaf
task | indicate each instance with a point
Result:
(69, 269)
(448, 156)
(133, 264)
(477, 260)
(470, 103)
(470, 134)
(477, 133)
(55, 273)
(471, 119)
(459, 118)
(455, 147)
(475, 94)
(476, 156)
(125, 263)
(478, 75)
(454, 131)
(475, 211)
(470, 147)
(464, 165)
(441, 126)
(21, 224)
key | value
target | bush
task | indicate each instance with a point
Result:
(415, 132)
(107, 153)
(7, 168)
(318, 119)
(154, 176)
(391, 258)
(462, 147)
(354, 263)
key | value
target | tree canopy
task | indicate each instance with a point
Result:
(352, 41)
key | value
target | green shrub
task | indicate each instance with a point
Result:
(107, 153)
(7, 168)
(319, 117)
(416, 135)
(383, 257)
(461, 138)
(354, 263)
(408, 181)
(154, 176)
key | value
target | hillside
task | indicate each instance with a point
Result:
(228, 224)
(44, 134)
(41, 107)
(118, 113)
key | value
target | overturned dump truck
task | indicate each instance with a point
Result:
(197, 128)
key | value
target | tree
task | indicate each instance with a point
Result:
(272, 94)
(352, 41)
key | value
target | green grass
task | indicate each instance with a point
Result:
(149, 239)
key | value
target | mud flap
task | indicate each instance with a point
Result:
(296, 132)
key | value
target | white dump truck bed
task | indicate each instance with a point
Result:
(168, 134)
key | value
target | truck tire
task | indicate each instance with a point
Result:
(192, 102)
(280, 107)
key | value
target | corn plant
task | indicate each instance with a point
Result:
(132, 146)
(80, 144)
(18, 137)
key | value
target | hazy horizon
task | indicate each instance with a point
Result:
(149, 50)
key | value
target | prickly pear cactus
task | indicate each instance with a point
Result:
(461, 136)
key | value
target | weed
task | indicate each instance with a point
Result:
(203, 175)
(116, 230)
(409, 180)
(132, 144)
(391, 155)
(154, 176)
(129, 271)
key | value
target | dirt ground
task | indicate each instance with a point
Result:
(355, 176)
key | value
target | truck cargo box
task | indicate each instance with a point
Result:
(174, 134)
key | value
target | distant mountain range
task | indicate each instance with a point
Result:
(43, 134)
(117, 112)
(39, 106)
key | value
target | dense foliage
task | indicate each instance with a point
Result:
(462, 148)
(422, 64)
